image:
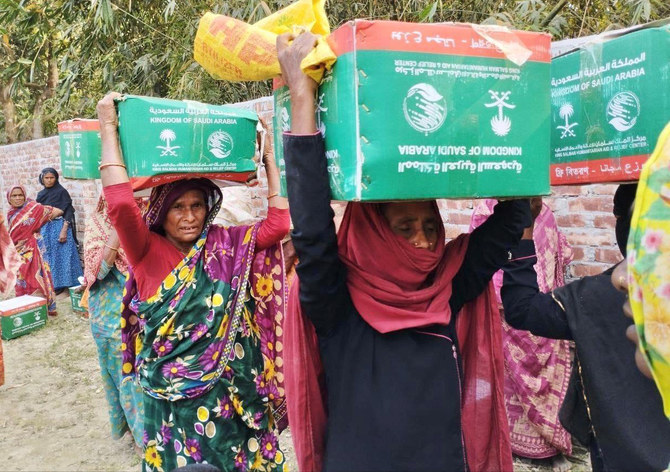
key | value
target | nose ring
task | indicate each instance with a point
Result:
(416, 244)
(622, 280)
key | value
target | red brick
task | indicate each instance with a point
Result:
(582, 270)
(604, 221)
(590, 203)
(590, 238)
(572, 220)
(609, 256)
(570, 189)
(577, 253)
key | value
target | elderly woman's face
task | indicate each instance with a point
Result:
(185, 219)
(414, 221)
(17, 198)
(49, 180)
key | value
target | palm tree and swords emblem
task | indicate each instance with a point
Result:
(500, 124)
(167, 135)
(566, 111)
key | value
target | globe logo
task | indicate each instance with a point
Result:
(623, 110)
(18, 321)
(220, 144)
(425, 109)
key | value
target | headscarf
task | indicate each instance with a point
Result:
(13, 211)
(623, 210)
(163, 196)
(414, 293)
(57, 196)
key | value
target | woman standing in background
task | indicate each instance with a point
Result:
(60, 235)
(25, 219)
(105, 270)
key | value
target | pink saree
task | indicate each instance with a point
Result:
(537, 370)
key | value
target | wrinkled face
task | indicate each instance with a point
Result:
(185, 218)
(17, 198)
(414, 221)
(48, 180)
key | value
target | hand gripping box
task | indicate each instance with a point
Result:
(164, 140)
(417, 111)
(22, 315)
(610, 99)
(80, 148)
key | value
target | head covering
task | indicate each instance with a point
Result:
(163, 196)
(414, 293)
(623, 210)
(12, 211)
(57, 196)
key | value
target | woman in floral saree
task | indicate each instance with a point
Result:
(25, 218)
(105, 271)
(201, 318)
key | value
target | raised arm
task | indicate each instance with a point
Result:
(323, 291)
(121, 207)
(488, 249)
(525, 306)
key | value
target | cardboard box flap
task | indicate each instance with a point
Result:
(22, 303)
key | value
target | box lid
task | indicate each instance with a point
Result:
(22, 303)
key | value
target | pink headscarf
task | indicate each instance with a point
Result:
(391, 300)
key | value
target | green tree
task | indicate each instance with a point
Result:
(59, 57)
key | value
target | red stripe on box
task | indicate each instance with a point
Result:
(23, 308)
(437, 38)
(79, 125)
(139, 183)
(619, 169)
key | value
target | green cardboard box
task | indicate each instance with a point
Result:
(418, 111)
(75, 299)
(22, 315)
(80, 148)
(163, 139)
(610, 99)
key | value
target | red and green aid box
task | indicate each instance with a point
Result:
(22, 315)
(610, 99)
(80, 148)
(417, 111)
(162, 140)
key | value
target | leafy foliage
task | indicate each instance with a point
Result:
(146, 47)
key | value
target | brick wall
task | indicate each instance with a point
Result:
(21, 164)
(584, 213)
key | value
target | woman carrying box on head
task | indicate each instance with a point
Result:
(24, 220)
(406, 326)
(201, 313)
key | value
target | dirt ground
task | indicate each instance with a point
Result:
(53, 412)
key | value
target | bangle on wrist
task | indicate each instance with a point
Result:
(111, 164)
(111, 247)
(272, 195)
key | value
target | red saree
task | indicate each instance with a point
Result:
(24, 229)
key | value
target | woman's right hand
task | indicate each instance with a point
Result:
(107, 112)
(291, 50)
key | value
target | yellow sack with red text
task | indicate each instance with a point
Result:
(233, 50)
(649, 264)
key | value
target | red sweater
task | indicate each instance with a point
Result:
(152, 256)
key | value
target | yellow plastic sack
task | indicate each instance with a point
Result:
(649, 264)
(233, 50)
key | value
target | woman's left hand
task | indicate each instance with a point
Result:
(62, 238)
